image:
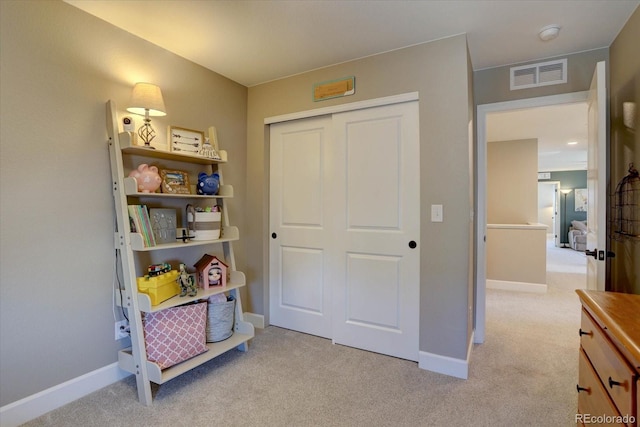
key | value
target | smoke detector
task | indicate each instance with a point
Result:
(549, 32)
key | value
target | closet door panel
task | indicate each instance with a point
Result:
(376, 298)
(298, 296)
(373, 187)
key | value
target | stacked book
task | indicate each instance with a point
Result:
(140, 223)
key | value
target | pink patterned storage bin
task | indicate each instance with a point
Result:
(175, 334)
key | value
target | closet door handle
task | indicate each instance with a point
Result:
(274, 235)
(413, 244)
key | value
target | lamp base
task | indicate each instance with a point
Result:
(147, 133)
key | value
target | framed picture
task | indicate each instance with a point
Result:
(581, 199)
(163, 225)
(174, 182)
(185, 141)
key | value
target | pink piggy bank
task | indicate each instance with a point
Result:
(147, 178)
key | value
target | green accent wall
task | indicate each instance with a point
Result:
(572, 180)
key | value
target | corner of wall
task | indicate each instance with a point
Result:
(458, 368)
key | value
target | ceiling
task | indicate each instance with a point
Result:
(553, 126)
(256, 41)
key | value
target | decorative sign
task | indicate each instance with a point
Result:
(334, 88)
(544, 175)
(185, 141)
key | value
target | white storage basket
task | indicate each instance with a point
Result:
(220, 320)
(206, 226)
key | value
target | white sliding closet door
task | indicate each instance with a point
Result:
(299, 210)
(376, 198)
(344, 259)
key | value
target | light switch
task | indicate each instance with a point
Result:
(436, 213)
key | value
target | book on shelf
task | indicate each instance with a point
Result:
(147, 225)
(140, 223)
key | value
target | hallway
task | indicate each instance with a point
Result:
(566, 268)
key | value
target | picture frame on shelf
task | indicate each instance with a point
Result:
(175, 182)
(185, 141)
(163, 225)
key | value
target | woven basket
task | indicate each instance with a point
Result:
(220, 320)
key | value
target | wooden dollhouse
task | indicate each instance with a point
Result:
(211, 271)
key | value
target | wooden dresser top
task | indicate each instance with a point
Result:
(620, 313)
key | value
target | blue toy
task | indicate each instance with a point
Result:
(208, 184)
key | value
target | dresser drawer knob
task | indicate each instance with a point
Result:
(588, 390)
(612, 383)
(585, 333)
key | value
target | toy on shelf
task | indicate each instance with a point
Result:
(160, 284)
(211, 271)
(187, 284)
(158, 269)
(147, 178)
(208, 184)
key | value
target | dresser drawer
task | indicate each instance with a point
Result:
(615, 373)
(593, 399)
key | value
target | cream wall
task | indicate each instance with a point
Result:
(512, 182)
(59, 66)
(517, 254)
(440, 72)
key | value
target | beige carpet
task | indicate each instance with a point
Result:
(566, 268)
(524, 374)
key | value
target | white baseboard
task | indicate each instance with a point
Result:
(257, 320)
(38, 404)
(504, 285)
(446, 365)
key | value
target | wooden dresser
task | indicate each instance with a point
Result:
(609, 361)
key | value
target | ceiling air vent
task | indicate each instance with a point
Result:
(540, 74)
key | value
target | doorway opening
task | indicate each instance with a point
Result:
(483, 114)
(549, 208)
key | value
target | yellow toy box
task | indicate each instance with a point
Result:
(160, 288)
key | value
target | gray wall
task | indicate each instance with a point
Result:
(625, 147)
(492, 84)
(59, 67)
(439, 71)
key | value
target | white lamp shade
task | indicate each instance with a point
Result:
(146, 96)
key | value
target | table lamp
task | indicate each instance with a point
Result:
(146, 100)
